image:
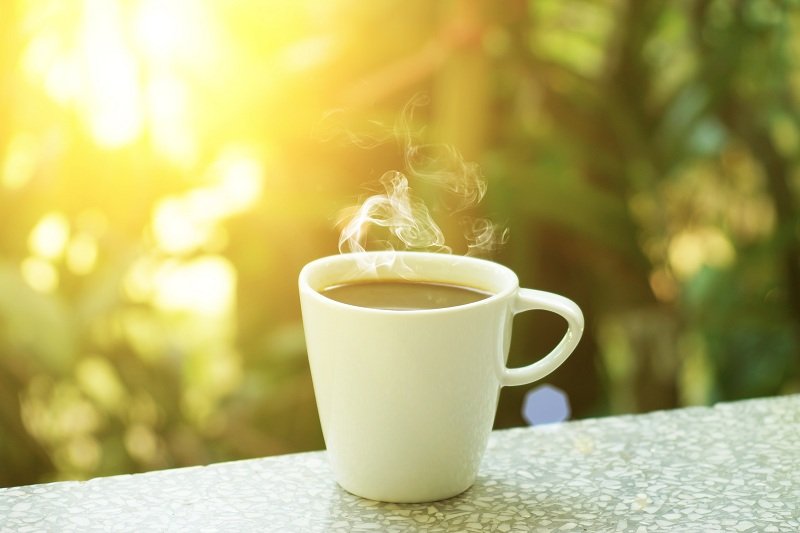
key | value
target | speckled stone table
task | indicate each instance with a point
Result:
(733, 467)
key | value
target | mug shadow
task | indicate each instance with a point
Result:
(492, 503)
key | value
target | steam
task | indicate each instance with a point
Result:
(485, 237)
(443, 166)
(455, 184)
(407, 219)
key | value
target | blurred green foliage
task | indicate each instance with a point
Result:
(644, 156)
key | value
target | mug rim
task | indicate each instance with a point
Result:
(510, 282)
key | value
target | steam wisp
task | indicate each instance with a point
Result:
(457, 185)
(407, 219)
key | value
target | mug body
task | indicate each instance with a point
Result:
(407, 399)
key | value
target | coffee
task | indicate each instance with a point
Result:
(407, 398)
(402, 295)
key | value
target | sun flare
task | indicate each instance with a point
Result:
(123, 67)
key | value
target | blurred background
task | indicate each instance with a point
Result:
(166, 168)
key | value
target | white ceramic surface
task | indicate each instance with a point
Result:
(407, 399)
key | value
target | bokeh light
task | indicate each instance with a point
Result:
(546, 404)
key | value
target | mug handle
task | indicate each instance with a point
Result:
(528, 300)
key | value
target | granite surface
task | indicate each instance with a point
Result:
(734, 468)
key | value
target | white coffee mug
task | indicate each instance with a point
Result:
(407, 399)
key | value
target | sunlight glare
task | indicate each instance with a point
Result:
(241, 181)
(306, 54)
(39, 274)
(47, 58)
(62, 81)
(132, 70)
(158, 27)
(177, 227)
(49, 237)
(167, 101)
(113, 96)
(203, 286)
(176, 32)
(20, 161)
(81, 254)
(182, 224)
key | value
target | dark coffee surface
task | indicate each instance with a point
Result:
(399, 295)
